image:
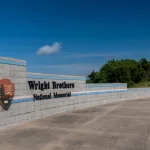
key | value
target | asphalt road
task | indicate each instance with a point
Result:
(118, 126)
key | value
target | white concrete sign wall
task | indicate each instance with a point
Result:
(39, 95)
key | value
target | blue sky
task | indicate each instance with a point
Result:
(74, 36)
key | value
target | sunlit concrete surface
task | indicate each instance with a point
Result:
(117, 126)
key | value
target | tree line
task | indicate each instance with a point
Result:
(128, 71)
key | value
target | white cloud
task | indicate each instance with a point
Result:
(47, 49)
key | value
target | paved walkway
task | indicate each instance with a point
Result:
(121, 126)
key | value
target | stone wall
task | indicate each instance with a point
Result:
(24, 109)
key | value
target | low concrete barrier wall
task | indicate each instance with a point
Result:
(39, 95)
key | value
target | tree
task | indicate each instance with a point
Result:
(124, 71)
(92, 77)
(146, 66)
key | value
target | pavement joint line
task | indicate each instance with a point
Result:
(121, 134)
(92, 120)
(77, 130)
(65, 136)
(85, 142)
(99, 116)
(59, 140)
(84, 114)
(136, 117)
(147, 137)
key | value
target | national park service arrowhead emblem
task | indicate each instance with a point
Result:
(6, 93)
